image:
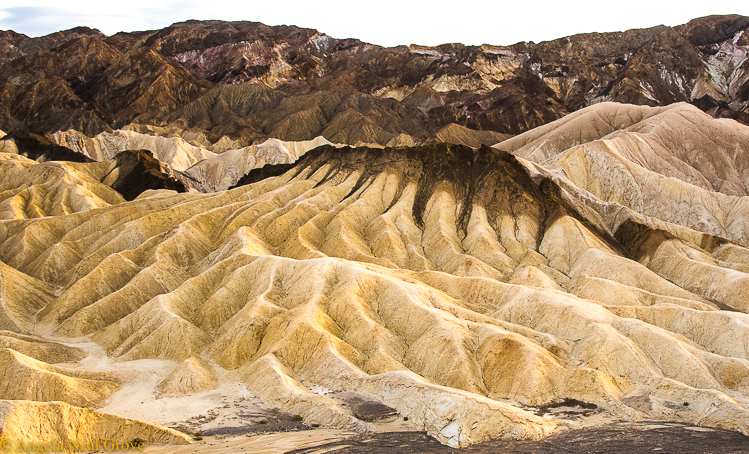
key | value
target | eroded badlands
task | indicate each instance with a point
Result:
(462, 287)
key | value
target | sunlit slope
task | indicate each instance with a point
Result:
(455, 285)
(30, 189)
(71, 429)
(677, 141)
(674, 163)
(207, 167)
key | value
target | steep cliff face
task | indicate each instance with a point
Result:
(249, 81)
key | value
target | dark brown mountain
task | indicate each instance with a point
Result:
(236, 52)
(14, 45)
(249, 81)
(88, 84)
(42, 89)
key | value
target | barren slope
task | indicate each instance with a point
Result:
(673, 163)
(461, 287)
(207, 167)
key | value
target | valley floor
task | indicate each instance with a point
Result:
(624, 437)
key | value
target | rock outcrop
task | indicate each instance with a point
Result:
(39, 148)
(31, 189)
(14, 45)
(674, 164)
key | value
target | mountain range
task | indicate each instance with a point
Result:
(250, 82)
(228, 228)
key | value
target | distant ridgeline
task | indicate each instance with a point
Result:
(194, 80)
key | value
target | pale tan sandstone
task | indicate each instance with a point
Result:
(454, 285)
(30, 189)
(217, 167)
(24, 378)
(45, 351)
(224, 170)
(174, 151)
(192, 376)
(673, 163)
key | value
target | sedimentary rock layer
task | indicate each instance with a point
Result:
(459, 286)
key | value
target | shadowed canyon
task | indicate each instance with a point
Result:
(229, 228)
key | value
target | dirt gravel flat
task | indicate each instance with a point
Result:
(630, 438)
(621, 437)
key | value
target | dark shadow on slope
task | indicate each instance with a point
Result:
(40, 148)
(137, 171)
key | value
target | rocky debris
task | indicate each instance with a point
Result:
(641, 437)
(269, 421)
(364, 407)
(567, 407)
(245, 416)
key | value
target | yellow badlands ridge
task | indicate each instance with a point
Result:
(63, 426)
(458, 286)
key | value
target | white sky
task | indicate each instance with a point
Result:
(384, 22)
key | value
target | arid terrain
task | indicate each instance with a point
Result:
(242, 238)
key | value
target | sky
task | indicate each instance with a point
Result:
(383, 22)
